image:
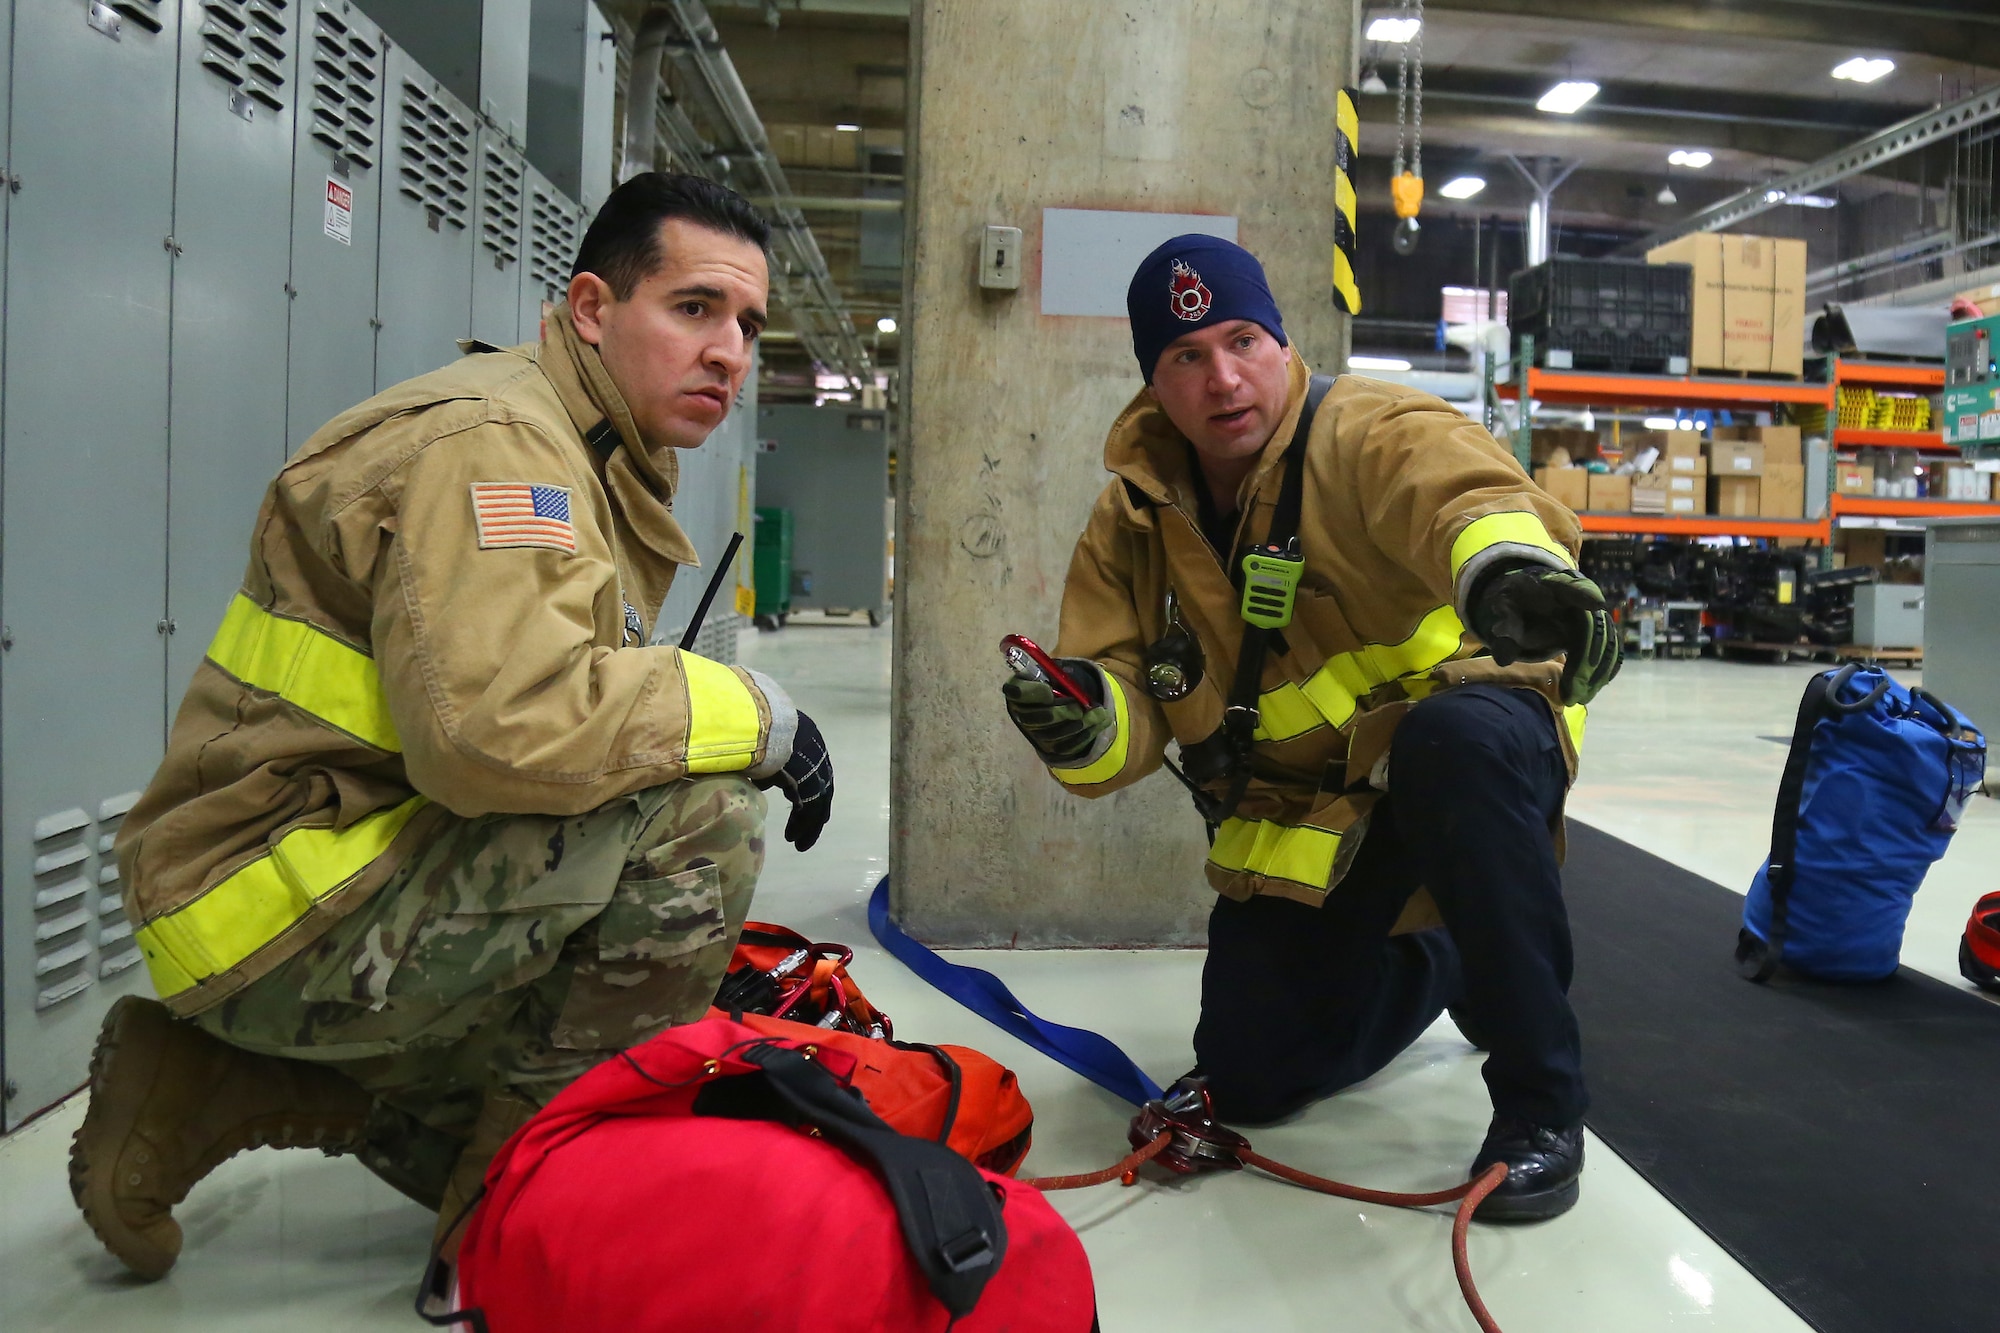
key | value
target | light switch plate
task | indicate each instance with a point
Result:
(1000, 259)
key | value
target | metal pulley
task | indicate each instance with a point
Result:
(1406, 184)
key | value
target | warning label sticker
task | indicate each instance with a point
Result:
(339, 212)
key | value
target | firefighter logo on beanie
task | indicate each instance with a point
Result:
(1187, 295)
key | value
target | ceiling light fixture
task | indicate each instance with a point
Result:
(1462, 187)
(1812, 201)
(1661, 423)
(1666, 194)
(1371, 81)
(847, 129)
(1693, 158)
(1377, 363)
(1566, 97)
(886, 324)
(1862, 69)
(1386, 29)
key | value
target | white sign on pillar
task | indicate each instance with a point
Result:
(1089, 255)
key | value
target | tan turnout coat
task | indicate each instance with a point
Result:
(400, 649)
(1406, 503)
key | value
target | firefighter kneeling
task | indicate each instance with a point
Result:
(1363, 627)
(439, 829)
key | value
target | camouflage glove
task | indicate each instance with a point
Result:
(1532, 612)
(1062, 732)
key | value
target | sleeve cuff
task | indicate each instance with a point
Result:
(784, 727)
(1510, 553)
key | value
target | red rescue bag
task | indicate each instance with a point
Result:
(726, 1176)
(953, 1095)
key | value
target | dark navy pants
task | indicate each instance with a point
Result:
(1299, 1002)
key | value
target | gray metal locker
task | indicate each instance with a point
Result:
(496, 261)
(600, 88)
(830, 467)
(83, 519)
(232, 260)
(503, 66)
(423, 289)
(336, 216)
(554, 231)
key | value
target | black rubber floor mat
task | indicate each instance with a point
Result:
(1838, 1140)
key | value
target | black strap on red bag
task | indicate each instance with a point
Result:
(1757, 960)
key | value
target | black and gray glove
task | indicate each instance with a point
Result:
(1062, 732)
(1532, 612)
(807, 781)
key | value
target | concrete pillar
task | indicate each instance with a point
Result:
(1219, 107)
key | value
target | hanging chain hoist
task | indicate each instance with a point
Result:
(1406, 183)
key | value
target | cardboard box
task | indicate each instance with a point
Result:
(1987, 298)
(1854, 478)
(1609, 494)
(1685, 505)
(1569, 486)
(1749, 300)
(1683, 483)
(1546, 443)
(1782, 444)
(1735, 497)
(1784, 491)
(1735, 458)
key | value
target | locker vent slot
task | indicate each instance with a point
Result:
(243, 44)
(116, 949)
(436, 166)
(346, 89)
(63, 906)
(552, 242)
(145, 13)
(500, 206)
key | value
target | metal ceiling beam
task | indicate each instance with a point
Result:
(1912, 134)
(800, 279)
(1964, 33)
(1478, 121)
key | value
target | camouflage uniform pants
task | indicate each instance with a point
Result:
(509, 956)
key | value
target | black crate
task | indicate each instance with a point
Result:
(1614, 295)
(1638, 353)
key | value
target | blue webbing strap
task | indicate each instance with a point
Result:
(1096, 1058)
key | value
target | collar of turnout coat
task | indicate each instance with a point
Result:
(1149, 451)
(642, 478)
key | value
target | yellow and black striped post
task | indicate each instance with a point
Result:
(1347, 135)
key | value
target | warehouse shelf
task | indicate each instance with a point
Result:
(1610, 390)
(1888, 376)
(1688, 525)
(1877, 506)
(1931, 441)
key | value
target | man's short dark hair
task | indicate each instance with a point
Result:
(623, 243)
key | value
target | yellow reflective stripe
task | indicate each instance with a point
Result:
(1330, 693)
(1112, 762)
(1517, 528)
(255, 905)
(1299, 853)
(724, 727)
(1573, 718)
(306, 667)
(1346, 119)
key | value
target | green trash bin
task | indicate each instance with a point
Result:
(772, 568)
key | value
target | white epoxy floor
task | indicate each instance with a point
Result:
(1675, 762)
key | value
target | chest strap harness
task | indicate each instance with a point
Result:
(1268, 576)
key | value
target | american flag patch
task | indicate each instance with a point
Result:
(519, 514)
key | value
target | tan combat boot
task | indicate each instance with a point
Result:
(499, 1116)
(169, 1104)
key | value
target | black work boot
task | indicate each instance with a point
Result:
(1543, 1167)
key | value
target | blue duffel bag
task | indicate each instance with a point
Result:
(1874, 786)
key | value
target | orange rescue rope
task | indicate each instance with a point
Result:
(1468, 1196)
